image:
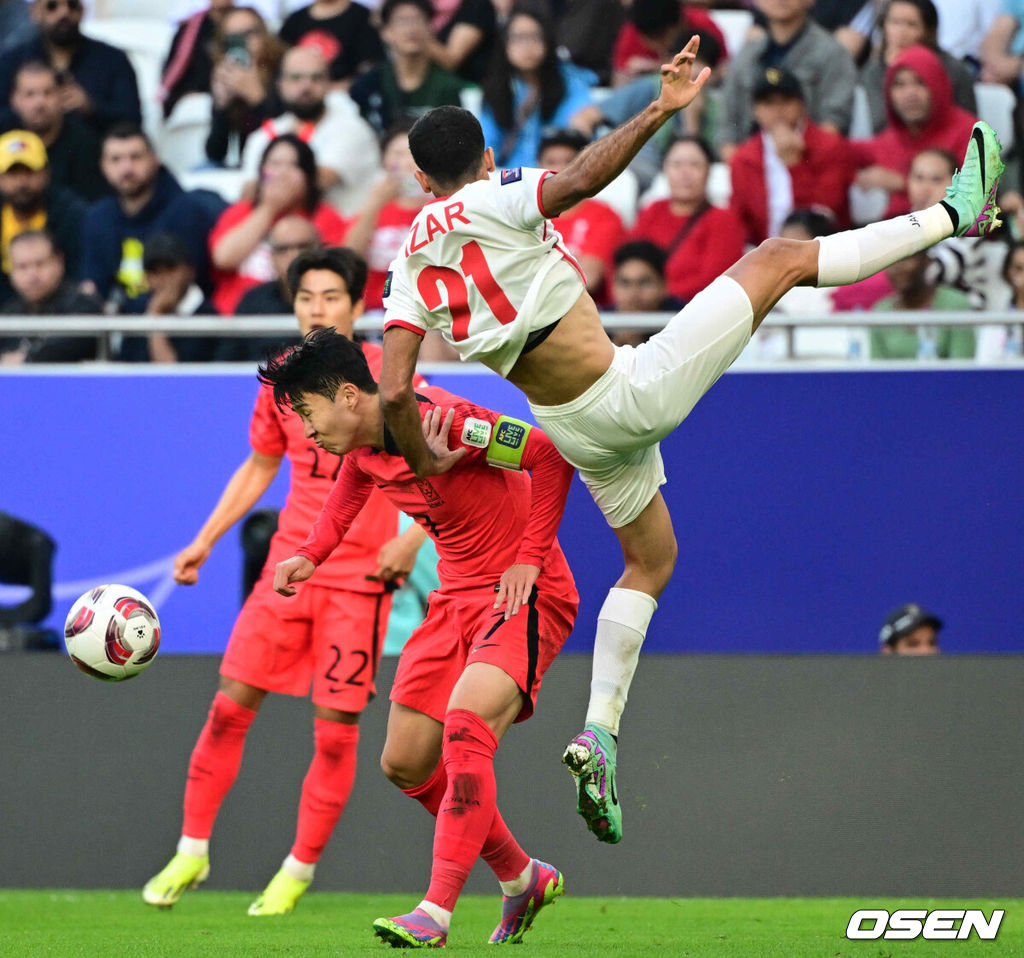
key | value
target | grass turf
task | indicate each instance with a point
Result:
(116, 924)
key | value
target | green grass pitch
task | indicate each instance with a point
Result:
(116, 924)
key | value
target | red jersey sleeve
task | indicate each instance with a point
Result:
(550, 477)
(346, 499)
(266, 433)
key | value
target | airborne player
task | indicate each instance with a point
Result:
(489, 271)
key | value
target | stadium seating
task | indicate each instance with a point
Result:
(146, 41)
(182, 138)
(734, 24)
(996, 104)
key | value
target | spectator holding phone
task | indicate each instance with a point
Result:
(242, 87)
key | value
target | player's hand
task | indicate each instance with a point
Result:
(515, 586)
(395, 560)
(677, 89)
(435, 431)
(295, 569)
(187, 563)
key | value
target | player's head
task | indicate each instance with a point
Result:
(910, 630)
(327, 381)
(326, 287)
(447, 144)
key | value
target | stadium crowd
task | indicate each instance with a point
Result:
(184, 184)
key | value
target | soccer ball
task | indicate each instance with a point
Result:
(112, 632)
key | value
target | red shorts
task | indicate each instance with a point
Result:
(464, 627)
(329, 635)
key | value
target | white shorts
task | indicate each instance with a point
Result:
(611, 432)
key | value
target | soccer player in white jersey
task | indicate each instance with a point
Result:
(484, 265)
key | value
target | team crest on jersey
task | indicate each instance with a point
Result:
(511, 176)
(431, 496)
(476, 432)
(387, 285)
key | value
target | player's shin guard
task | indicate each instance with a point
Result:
(621, 629)
(500, 849)
(467, 810)
(326, 787)
(853, 255)
(214, 765)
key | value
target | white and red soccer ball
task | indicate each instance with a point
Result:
(112, 632)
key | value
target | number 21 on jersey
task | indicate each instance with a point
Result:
(473, 266)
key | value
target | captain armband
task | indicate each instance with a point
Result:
(508, 441)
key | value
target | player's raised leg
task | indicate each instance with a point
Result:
(969, 208)
(212, 770)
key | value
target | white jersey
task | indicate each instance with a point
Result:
(486, 268)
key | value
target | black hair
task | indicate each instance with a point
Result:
(653, 16)
(929, 18)
(126, 130)
(306, 160)
(562, 136)
(388, 7)
(497, 81)
(650, 253)
(319, 366)
(816, 220)
(698, 141)
(347, 263)
(399, 127)
(447, 144)
(1011, 248)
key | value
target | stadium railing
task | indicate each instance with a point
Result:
(108, 329)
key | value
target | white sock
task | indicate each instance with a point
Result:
(300, 871)
(519, 884)
(442, 917)
(854, 255)
(198, 847)
(621, 629)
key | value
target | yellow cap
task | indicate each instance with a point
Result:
(21, 147)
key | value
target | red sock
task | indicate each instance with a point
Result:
(214, 764)
(501, 851)
(326, 788)
(468, 806)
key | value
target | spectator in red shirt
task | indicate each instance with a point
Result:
(650, 35)
(700, 240)
(239, 248)
(591, 229)
(921, 115)
(789, 163)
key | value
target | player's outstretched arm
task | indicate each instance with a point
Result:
(607, 157)
(243, 491)
(398, 403)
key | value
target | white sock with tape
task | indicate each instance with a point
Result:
(621, 629)
(854, 255)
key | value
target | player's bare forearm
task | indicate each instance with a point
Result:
(606, 158)
(398, 398)
(243, 491)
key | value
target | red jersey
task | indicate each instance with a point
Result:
(386, 243)
(229, 286)
(277, 432)
(593, 228)
(483, 518)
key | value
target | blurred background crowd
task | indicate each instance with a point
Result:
(172, 161)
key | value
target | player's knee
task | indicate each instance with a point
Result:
(401, 771)
(785, 258)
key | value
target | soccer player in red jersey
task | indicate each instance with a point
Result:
(505, 607)
(485, 266)
(332, 636)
